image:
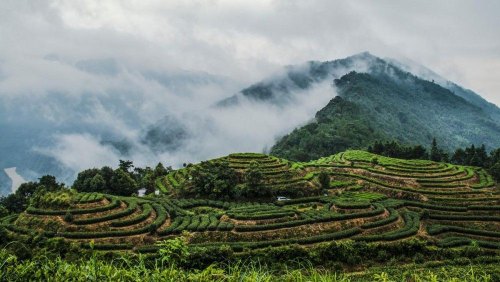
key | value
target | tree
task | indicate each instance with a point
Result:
(254, 178)
(148, 183)
(418, 152)
(254, 175)
(435, 152)
(494, 156)
(122, 183)
(50, 183)
(495, 171)
(481, 156)
(213, 179)
(97, 183)
(3, 211)
(125, 165)
(324, 180)
(19, 200)
(459, 157)
(395, 150)
(160, 170)
(82, 181)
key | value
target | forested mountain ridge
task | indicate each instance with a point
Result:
(387, 103)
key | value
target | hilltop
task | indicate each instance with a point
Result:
(384, 102)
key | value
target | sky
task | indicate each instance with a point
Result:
(89, 68)
(248, 40)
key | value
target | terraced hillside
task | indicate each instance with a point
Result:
(370, 199)
(278, 174)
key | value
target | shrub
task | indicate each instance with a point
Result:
(132, 206)
(114, 204)
(68, 217)
(146, 212)
(412, 224)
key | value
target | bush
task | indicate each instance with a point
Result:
(68, 217)
(92, 220)
(393, 216)
(379, 209)
(412, 224)
(114, 204)
(146, 212)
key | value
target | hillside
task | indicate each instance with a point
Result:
(367, 198)
(387, 103)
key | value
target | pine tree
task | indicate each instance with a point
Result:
(435, 152)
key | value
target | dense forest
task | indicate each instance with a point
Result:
(387, 103)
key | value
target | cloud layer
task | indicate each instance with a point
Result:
(92, 71)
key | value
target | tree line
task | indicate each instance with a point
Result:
(123, 181)
(469, 156)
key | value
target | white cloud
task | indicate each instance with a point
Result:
(100, 69)
(81, 151)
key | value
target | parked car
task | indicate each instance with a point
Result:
(281, 198)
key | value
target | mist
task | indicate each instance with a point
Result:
(82, 82)
(212, 131)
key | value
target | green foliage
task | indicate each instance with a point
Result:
(125, 165)
(223, 231)
(97, 183)
(160, 170)
(173, 251)
(324, 180)
(68, 217)
(214, 179)
(145, 213)
(253, 178)
(18, 201)
(3, 211)
(390, 104)
(412, 224)
(40, 211)
(340, 125)
(110, 216)
(495, 171)
(123, 184)
(143, 269)
(117, 182)
(52, 200)
(395, 150)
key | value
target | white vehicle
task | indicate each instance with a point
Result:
(281, 198)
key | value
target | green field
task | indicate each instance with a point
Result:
(390, 207)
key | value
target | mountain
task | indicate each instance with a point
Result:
(179, 117)
(125, 113)
(278, 89)
(385, 102)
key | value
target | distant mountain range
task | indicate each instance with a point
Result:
(369, 99)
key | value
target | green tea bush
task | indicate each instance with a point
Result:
(145, 213)
(131, 208)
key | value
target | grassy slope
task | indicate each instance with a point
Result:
(125, 270)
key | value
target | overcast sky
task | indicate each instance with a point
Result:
(245, 40)
(84, 72)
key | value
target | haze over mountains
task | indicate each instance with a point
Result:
(188, 117)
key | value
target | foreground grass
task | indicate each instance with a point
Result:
(123, 270)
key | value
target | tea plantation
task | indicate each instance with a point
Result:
(370, 199)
